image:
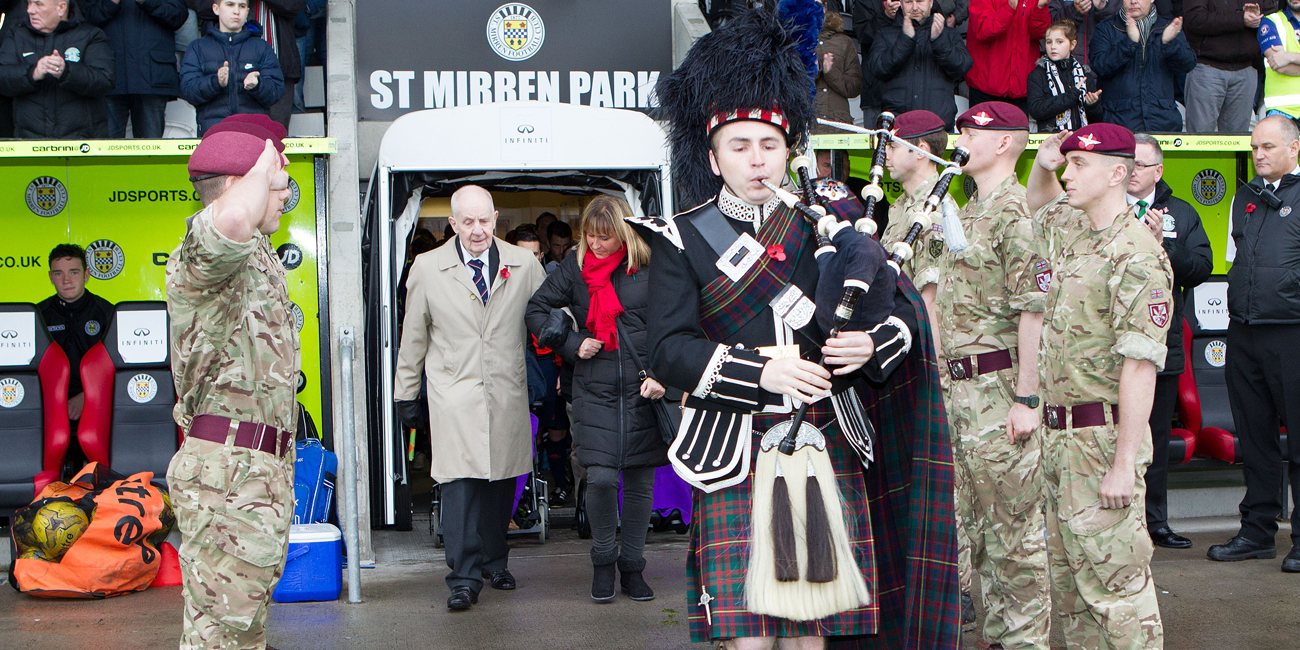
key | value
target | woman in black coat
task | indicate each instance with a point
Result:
(605, 283)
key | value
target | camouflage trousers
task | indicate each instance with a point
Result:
(999, 505)
(233, 508)
(1100, 559)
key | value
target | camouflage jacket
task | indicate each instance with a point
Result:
(983, 289)
(922, 267)
(234, 344)
(1109, 300)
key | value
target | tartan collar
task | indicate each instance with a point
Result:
(742, 210)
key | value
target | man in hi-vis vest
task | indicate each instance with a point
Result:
(1277, 40)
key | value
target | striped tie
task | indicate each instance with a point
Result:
(477, 266)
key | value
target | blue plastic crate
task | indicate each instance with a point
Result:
(314, 569)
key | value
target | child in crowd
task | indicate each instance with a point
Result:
(1062, 91)
(232, 69)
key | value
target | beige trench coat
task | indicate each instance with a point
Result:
(473, 357)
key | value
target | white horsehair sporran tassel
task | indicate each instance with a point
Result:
(796, 496)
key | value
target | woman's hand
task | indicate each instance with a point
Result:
(651, 389)
(1092, 97)
(589, 348)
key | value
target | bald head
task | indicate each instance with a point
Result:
(1274, 146)
(474, 218)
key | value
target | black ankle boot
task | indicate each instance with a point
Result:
(602, 577)
(629, 574)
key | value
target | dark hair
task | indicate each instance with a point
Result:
(522, 235)
(423, 242)
(1067, 28)
(937, 141)
(559, 229)
(543, 216)
(527, 227)
(68, 251)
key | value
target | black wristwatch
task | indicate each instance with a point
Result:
(1031, 401)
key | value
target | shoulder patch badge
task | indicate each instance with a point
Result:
(1160, 314)
(936, 248)
(1044, 280)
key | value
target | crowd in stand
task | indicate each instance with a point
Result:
(73, 69)
(1196, 66)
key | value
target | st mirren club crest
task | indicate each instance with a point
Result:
(104, 259)
(1209, 187)
(515, 31)
(11, 392)
(142, 388)
(46, 196)
(1160, 314)
(295, 193)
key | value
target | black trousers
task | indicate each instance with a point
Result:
(475, 517)
(1162, 416)
(1263, 373)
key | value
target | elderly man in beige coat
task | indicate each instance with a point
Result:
(464, 329)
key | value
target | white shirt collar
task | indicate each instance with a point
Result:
(485, 257)
(1150, 198)
(742, 210)
(1293, 172)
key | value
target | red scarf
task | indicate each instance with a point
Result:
(605, 306)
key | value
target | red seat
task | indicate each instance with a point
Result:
(1203, 390)
(1182, 442)
(127, 423)
(34, 427)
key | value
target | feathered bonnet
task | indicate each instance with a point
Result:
(759, 65)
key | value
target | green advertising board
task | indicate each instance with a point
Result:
(125, 202)
(1204, 170)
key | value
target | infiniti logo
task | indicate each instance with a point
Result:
(140, 331)
(524, 128)
(1214, 302)
(8, 334)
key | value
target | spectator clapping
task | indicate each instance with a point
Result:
(1220, 90)
(1062, 90)
(219, 88)
(1138, 57)
(919, 62)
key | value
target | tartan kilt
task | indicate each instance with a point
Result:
(718, 558)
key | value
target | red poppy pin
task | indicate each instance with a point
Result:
(1250, 207)
(776, 252)
(505, 274)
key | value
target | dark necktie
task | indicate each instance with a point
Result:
(479, 281)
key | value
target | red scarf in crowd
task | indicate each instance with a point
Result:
(605, 306)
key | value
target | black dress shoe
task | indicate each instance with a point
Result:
(1291, 563)
(461, 598)
(1240, 548)
(502, 579)
(1166, 537)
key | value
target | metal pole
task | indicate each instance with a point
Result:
(348, 470)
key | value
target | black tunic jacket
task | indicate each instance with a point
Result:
(613, 425)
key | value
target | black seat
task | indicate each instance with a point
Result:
(34, 428)
(1207, 315)
(127, 422)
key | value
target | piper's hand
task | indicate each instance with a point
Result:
(1049, 154)
(849, 349)
(651, 389)
(804, 381)
(1022, 421)
(1116, 489)
(589, 348)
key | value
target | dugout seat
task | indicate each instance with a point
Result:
(127, 422)
(34, 427)
(1206, 398)
(1182, 440)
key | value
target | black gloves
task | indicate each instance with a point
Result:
(556, 330)
(412, 415)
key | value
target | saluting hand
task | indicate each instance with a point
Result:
(1049, 155)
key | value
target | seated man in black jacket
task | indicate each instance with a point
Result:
(1178, 227)
(76, 318)
(919, 62)
(58, 70)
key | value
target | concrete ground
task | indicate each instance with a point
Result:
(1248, 605)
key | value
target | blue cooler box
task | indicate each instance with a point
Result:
(314, 569)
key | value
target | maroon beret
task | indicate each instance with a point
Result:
(994, 116)
(1107, 139)
(232, 146)
(916, 124)
(277, 130)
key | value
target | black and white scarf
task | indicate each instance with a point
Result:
(1074, 118)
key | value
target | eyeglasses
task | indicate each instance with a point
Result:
(1141, 165)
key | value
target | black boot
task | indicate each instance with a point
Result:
(629, 573)
(602, 577)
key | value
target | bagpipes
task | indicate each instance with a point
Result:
(853, 270)
(872, 193)
(901, 251)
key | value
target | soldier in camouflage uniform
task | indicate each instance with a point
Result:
(990, 300)
(1106, 319)
(235, 361)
